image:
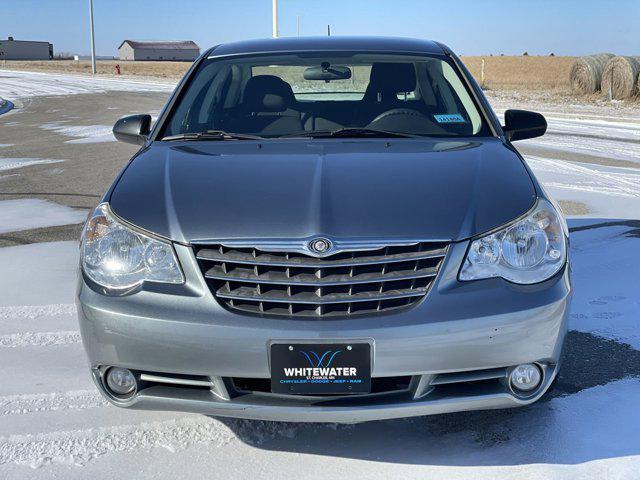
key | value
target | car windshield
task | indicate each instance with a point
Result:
(325, 95)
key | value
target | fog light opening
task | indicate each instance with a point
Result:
(525, 378)
(121, 381)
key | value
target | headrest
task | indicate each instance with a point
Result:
(267, 93)
(392, 77)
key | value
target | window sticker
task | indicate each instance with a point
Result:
(450, 118)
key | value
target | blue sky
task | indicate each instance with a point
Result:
(565, 27)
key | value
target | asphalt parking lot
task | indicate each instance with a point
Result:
(86, 169)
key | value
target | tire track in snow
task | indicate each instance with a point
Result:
(46, 402)
(25, 311)
(591, 179)
(591, 136)
(76, 447)
(13, 163)
(39, 339)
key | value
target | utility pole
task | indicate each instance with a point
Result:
(328, 30)
(298, 24)
(274, 7)
(93, 43)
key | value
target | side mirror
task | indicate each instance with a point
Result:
(522, 124)
(134, 129)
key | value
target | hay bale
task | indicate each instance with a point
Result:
(620, 76)
(586, 72)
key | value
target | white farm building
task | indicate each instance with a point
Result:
(168, 51)
(11, 49)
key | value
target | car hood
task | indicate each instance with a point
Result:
(342, 189)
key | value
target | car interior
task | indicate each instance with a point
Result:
(399, 97)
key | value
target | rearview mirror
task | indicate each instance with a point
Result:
(133, 129)
(327, 72)
(522, 124)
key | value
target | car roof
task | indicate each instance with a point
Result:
(337, 43)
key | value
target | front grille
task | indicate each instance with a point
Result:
(294, 284)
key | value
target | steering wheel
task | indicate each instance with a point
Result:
(400, 119)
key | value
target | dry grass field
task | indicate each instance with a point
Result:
(523, 72)
(105, 67)
(528, 72)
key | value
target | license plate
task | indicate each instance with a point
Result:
(321, 368)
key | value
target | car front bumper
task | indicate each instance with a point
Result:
(464, 331)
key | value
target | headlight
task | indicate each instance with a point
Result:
(529, 250)
(117, 257)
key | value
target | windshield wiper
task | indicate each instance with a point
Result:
(211, 135)
(352, 132)
(349, 132)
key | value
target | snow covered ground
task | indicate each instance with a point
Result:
(16, 85)
(53, 422)
(30, 213)
(84, 133)
(622, 139)
(8, 163)
(599, 182)
(612, 192)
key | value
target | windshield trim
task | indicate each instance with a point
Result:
(325, 51)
